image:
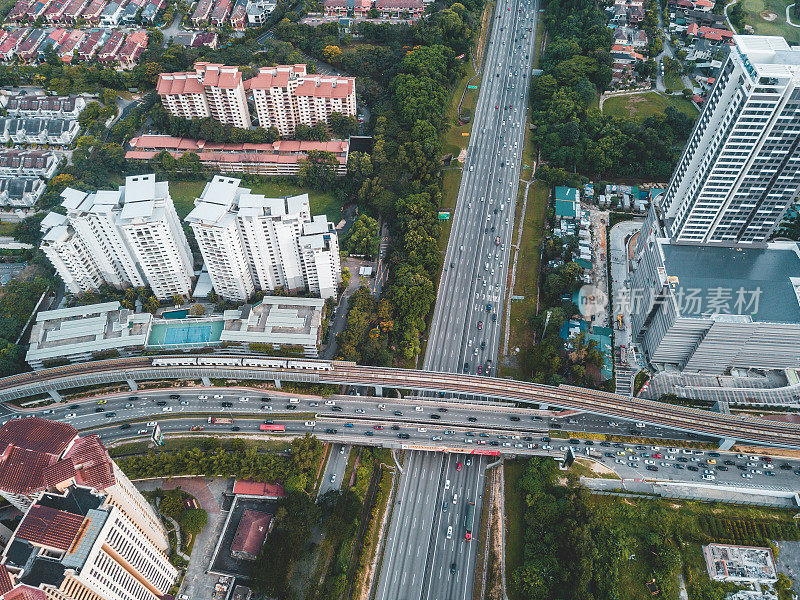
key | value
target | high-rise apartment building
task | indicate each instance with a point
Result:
(126, 237)
(212, 90)
(284, 96)
(740, 170)
(250, 242)
(86, 532)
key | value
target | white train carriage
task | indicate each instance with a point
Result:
(271, 363)
(175, 361)
(310, 365)
(219, 361)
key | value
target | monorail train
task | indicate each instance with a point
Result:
(231, 361)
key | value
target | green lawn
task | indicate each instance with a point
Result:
(184, 192)
(645, 105)
(7, 228)
(756, 11)
(513, 471)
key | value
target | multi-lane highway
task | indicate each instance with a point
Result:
(465, 330)
(427, 556)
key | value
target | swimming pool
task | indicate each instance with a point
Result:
(175, 314)
(189, 333)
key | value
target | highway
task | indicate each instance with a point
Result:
(465, 329)
(334, 468)
(492, 431)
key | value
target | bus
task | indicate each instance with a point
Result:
(265, 427)
(469, 517)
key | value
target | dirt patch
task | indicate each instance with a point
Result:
(769, 16)
(782, 452)
(598, 468)
(494, 577)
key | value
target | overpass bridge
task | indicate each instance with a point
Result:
(727, 428)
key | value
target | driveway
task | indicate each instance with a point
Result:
(209, 494)
(336, 465)
(340, 317)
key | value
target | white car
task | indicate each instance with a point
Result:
(69, 416)
(142, 432)
(311, 423)
(447, 484)
(218, 396)
(330, 403)
(244, 399)
(649, 462)
(421, 429)
(418, 408)
(151, 423)
(708, 477)
(449, 532)
(333, 478)
(202, 397)
(166, 409)
(747, 475)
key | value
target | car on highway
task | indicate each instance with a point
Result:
(471, 419)
(218, 396)
(434, 416)
(161, 403)
(513, 418)
(125, 426)
(99, 409)
(166, 409)
(235, 428)
(480, 325)
(452, 568)
(458, 466)
(333, 478)
(102, 401)
(747, 476)
(141, 432)
(226, 404)
(174, 396)
(203, 397)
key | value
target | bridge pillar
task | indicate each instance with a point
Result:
(726, 443)
(55, 396)
(132, 384)
(278, 383)
(206, 381)
(396, 462)
(379, 390)
(722, 406)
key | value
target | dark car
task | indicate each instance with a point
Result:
(786, 467)
(722, 468)
(125, 426)
(99, 409)
(403, 436)
(679, 466)
(161, 403)
(226, 404)
(174, 396)
(651, 468)
(513, 418)
(545, 439)
(713, 454)
(605, 444)
(329, 430)
(336, 408)
(398, 413)
(395, 427)
(266, 399)
(608, 454)
(692, 468)
(133, 398)
(291, 407)
(452, 568)
(574, 441)
(731, 463)
(111, 415)
(589, 443)
(494, 443)
(466, 367)
(74, 406)
(442, 410)
(367, 433)
(682, 459)
(435, 416)
(235, 428)
(471, 419)
(528, 438)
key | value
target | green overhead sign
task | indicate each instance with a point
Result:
(472, 87)
(444, 215)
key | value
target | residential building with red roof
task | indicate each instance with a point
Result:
(11, 43)
(239, 15)
(287, 95)
(90, 45)
(37, 9)
(29, 48)
(342, 8)
(278, 158)
(56, 10)
(209, 39)
(714, 34)
(400, 9)
(221, 10)
(77, 544)
(202, 12)
(251, 534)
(18, 12)
(38, 455)
(74, 10)
(92, 12)
(69, 44)
(213, 90)
(132, 49)
(111, 47)
(245, 487)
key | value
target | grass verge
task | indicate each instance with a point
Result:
(513, 471)
(768, 17)
(645, 105)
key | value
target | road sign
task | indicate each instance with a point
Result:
(444, 215)
(472, 87)
(518, 297)
(158, 436)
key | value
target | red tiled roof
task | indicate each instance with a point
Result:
(252, 532)
(343, 88)
(21, 470)
(40, 435)
(5, 580)
(179, 83)
(49, 527)
(401, 4)
(58, 472)
(25, 592)
(93, 465)
(256, 488)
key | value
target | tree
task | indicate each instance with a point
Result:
(172, 505)
(343, 126)
(363, 237)
(197, 310)
(331, 54)
(318, 170)
(193, 520)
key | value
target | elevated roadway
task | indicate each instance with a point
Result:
(722, 426)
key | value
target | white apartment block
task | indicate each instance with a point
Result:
(740, 171)
(286, 95)
(250, 242)
(128, 237)
(212, 90)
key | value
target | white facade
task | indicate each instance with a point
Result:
(250, 242)
(128, 237)
(740, 171)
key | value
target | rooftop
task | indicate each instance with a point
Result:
(741, 284)
(276, 320)
(251, 533)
